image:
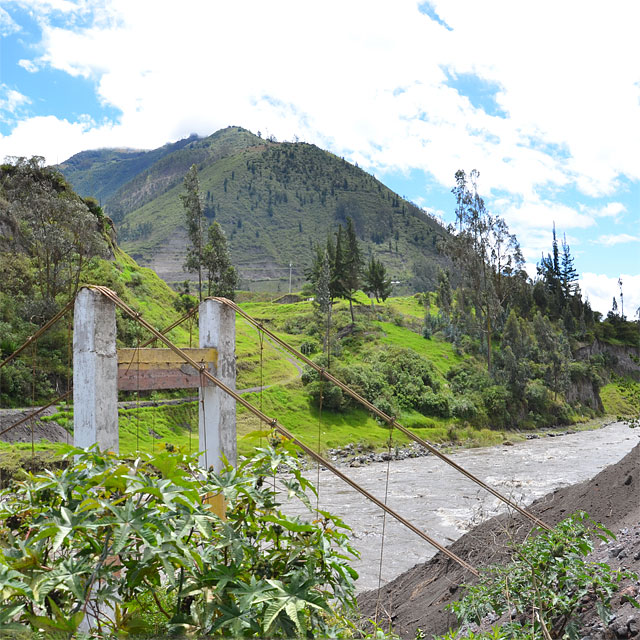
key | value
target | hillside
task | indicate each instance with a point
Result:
(274, 201)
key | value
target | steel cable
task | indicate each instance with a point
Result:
(281, 429)
(389, 420)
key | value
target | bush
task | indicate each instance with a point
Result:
(129, 541)
(495, 399)
(538, 397)
(545, 584)
(464, 408)
(434, 404)
(308, 347)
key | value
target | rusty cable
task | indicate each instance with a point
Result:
(37, 412)
(282, 430)
(37, 334)
(392, 422)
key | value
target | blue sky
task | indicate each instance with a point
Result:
(542, 98)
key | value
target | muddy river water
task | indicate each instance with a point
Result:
(445, 504)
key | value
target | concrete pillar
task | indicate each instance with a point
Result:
(95, 372)
(217, 415)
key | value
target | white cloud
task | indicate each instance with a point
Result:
(336, 70)
(366, 79)
(610, 240)
(601, 289)
(28, 65)
(611, 210)
(11, 100)
(8, 25)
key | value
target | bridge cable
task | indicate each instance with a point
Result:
(282, 430)
(69, 391)
(388, 419)
(384, 525)
(38, 333)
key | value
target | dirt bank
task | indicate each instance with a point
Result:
(417, 598)
(50, 431)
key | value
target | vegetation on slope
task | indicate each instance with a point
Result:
(274, 202)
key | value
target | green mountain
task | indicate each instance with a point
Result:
(275, 201)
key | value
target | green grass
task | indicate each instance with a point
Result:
(440, 353)
(621, 398)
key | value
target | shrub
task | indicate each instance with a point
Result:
(545, 584)
(434, 404)
(496, 398)
(464, 408)
(126, 541)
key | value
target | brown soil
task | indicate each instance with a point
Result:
(417, 598)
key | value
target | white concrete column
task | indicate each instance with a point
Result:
(217, 415)
(95, 372)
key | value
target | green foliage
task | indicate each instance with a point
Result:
(129, 542)
(222, 278)
(376, 280)
(543, 587)
(274, 188)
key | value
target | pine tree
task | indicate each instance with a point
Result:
(352, 266)
(192, 203)
(376, 281)
(222, 278)
(338, 267)
(323, 297)
(568, 273)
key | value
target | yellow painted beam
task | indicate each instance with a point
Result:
(163, 358)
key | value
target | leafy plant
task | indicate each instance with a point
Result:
(118, 543)
(545, 584)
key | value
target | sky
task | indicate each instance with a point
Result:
(542, 98)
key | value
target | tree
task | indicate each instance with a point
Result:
(192, 203)
(222, 278)
(568, 273)
(376, 281)
(55, 228)
(482, 249)
(352, 266)
(323, 299)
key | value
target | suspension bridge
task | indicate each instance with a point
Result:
(100, 370)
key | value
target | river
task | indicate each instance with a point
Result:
(445, 504)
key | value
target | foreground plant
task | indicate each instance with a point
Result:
(128, 548)
(543, 587)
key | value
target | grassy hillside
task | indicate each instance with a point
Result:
(274, 201)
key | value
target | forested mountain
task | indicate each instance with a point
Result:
(275, 201)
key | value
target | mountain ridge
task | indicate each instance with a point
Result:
(275, 201)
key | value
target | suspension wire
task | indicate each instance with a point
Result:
(384, 525)
(33, 395)
(319, 445)
(137, 390)
(203, 372)
(173, 325)
(275, 425)
(388, 419)
(261, 338)
(69, 363)
(38, 333)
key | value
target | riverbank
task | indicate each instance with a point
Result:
(417, 598)
(446, 505)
